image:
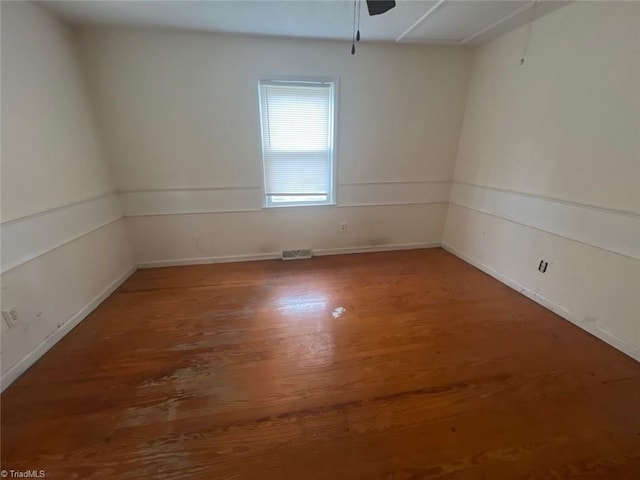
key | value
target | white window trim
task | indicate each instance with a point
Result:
(332, 197)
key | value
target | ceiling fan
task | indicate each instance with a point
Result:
(375, 7)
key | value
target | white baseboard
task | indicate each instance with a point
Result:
(589, 327)
(277, 255)
(374, 248)
(180, 262)
(22, 365)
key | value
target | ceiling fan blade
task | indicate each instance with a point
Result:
(377, 7)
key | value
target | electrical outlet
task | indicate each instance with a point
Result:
(542, 266)
(10, 316)
(343, 227)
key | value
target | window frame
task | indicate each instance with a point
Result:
(333, 128)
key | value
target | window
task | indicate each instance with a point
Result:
(297, 141)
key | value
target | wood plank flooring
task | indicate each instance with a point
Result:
(241, 371)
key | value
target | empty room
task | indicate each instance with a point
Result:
(320, 239)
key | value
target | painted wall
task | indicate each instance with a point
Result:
(549, 167)
(180, 113)
(63, 238)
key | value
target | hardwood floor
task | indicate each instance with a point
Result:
(228, 371)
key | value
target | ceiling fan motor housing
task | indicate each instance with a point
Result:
(377, 7)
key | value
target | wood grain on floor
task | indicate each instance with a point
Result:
(432, 370)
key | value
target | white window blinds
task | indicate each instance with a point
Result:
(297, 141)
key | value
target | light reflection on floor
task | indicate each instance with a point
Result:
(315, 347)
(300, 304)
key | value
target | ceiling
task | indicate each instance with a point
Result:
(457, 22)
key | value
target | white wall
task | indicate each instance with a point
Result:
(180, 112)
(64, 242)
(48, 132)
(549, 167)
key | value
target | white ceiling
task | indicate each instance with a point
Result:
(422, 21)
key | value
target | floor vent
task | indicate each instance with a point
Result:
(296, 254)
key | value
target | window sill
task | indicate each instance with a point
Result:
(298, 205)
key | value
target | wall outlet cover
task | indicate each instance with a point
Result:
(10, 316)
